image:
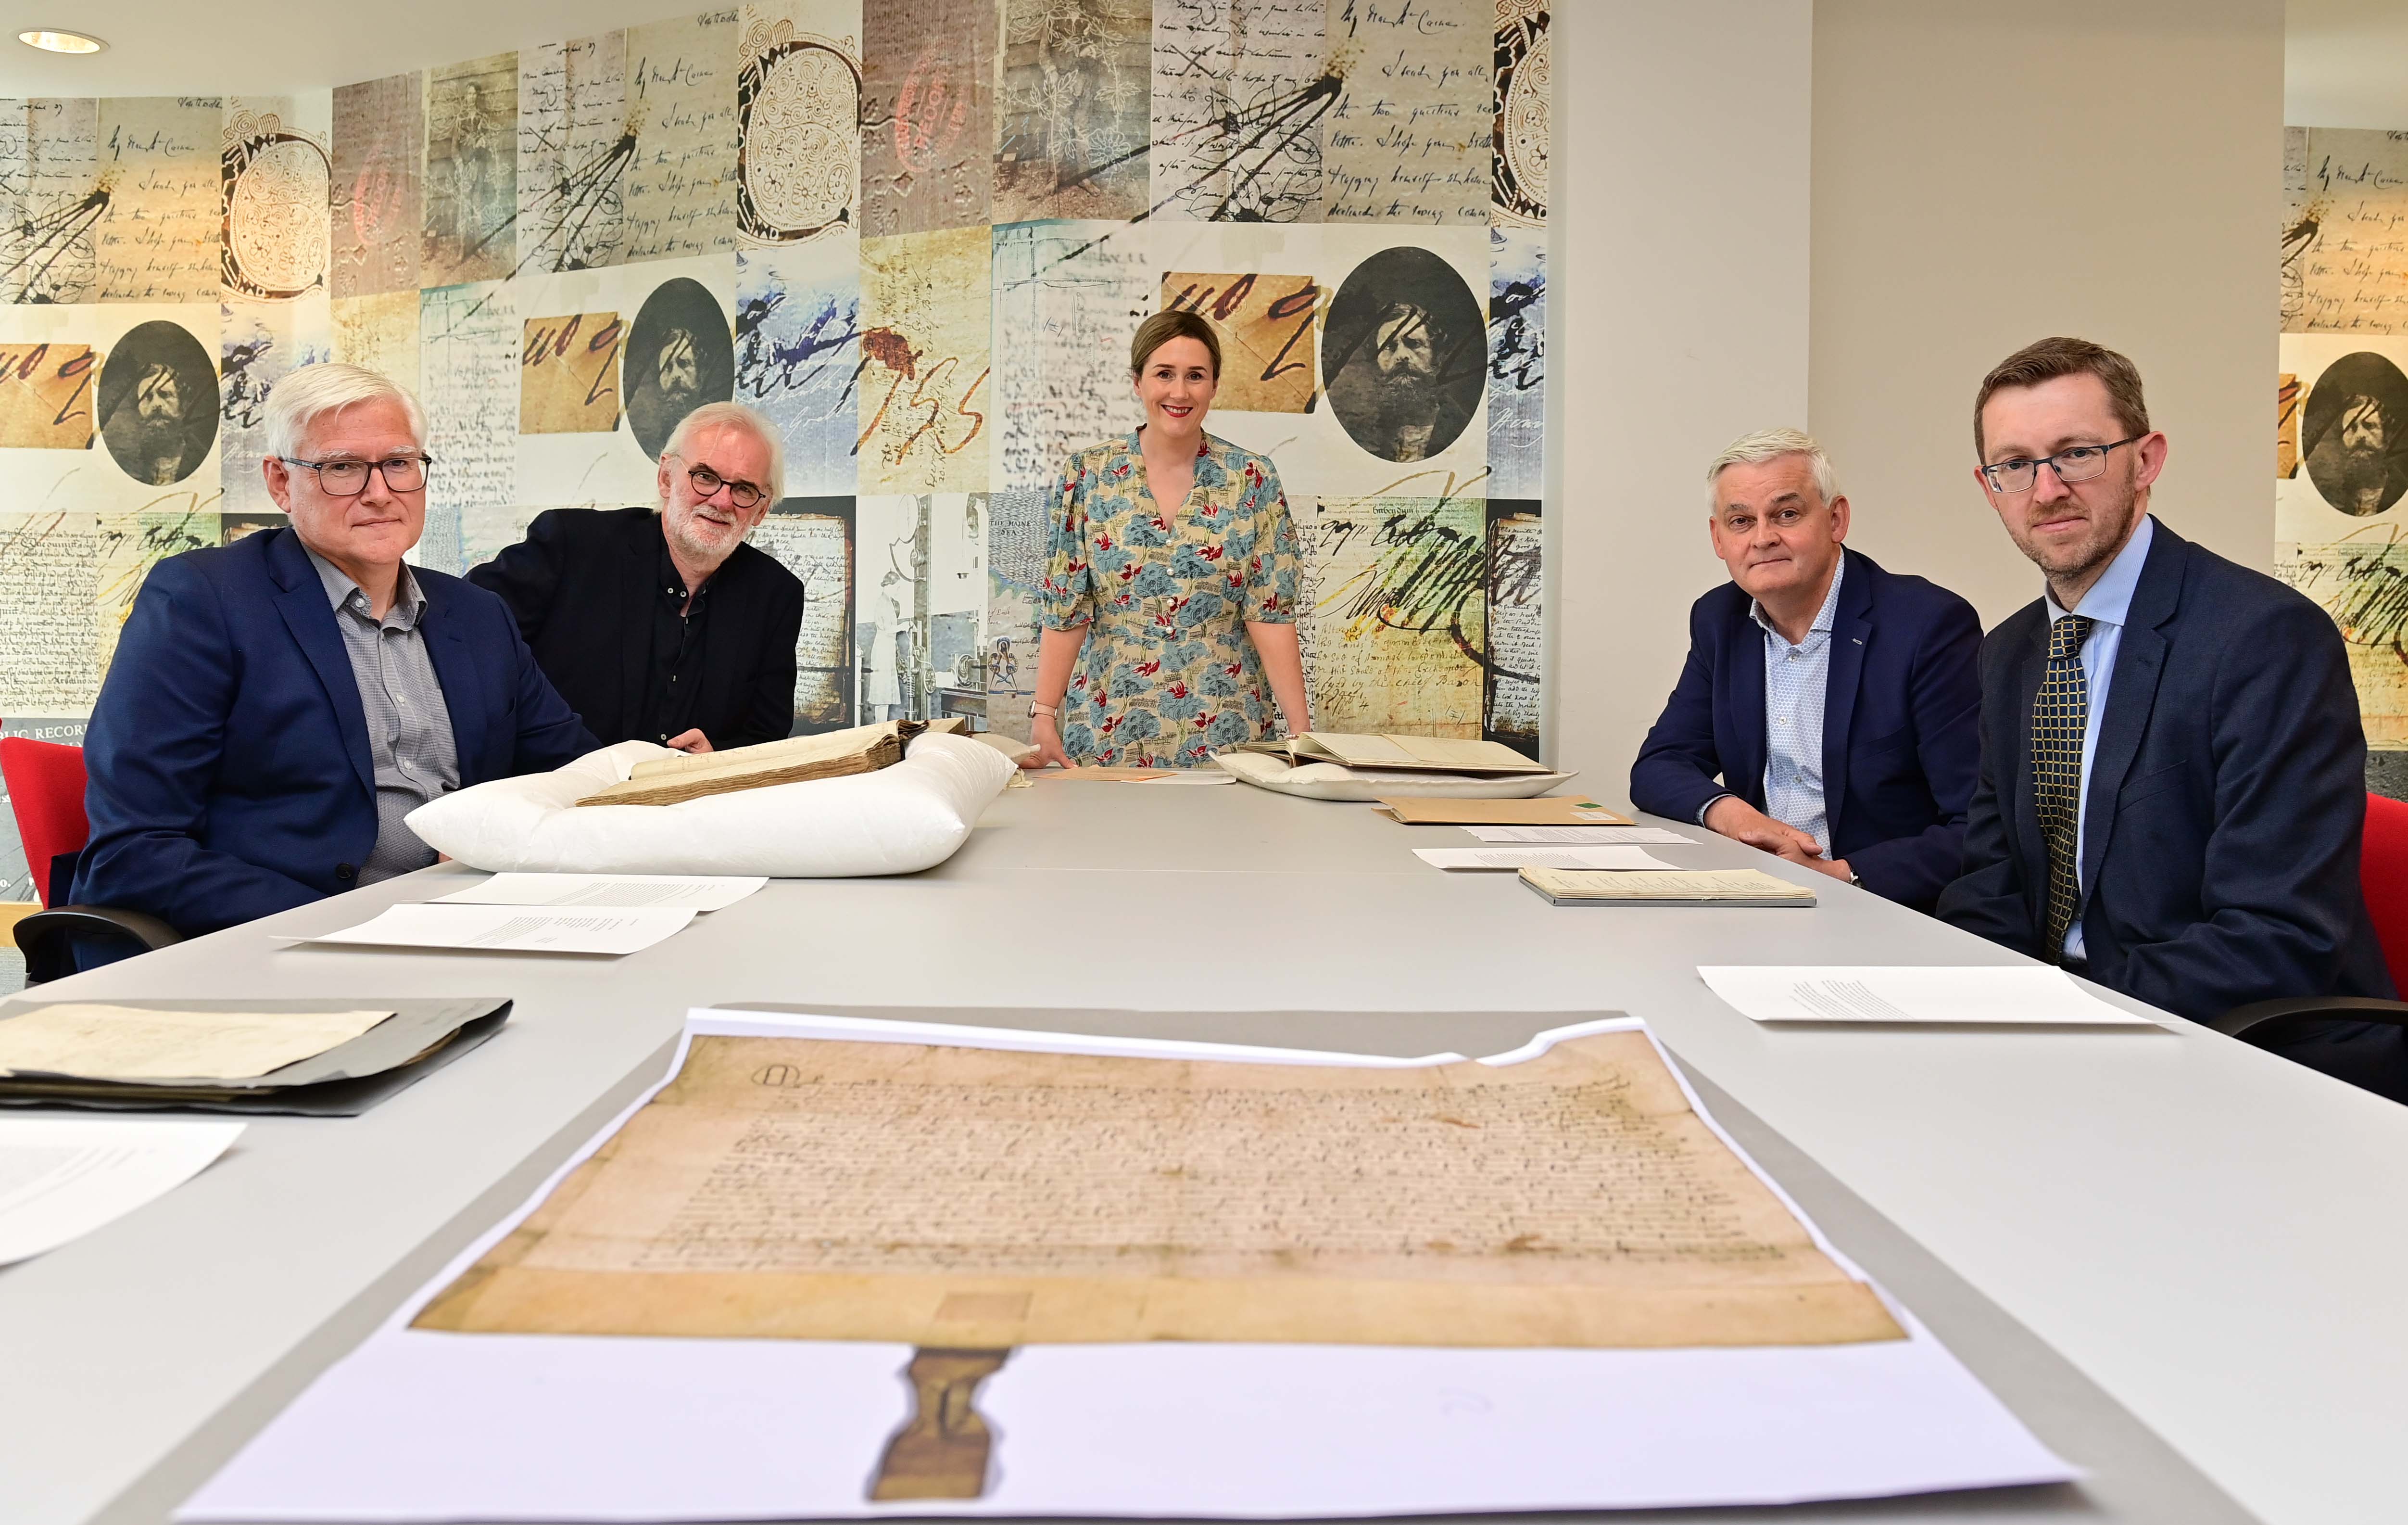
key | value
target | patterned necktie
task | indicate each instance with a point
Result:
(2060, 715)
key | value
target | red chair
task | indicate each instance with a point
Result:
(2383, 878)
(45, 790)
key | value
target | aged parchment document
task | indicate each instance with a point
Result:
(98, 1041)
(975, 1200)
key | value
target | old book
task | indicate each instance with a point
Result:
(1686, 886)
(1411, 754)
(864, 749)
(1550, 810)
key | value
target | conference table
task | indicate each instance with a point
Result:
(2178, 1259)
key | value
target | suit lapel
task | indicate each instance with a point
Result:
(1746, 709)
(2032, 849)
(301, 600)
(456, 673)
(635, 623)
(2132, 694)
(1852, 628)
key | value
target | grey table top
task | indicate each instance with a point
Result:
(2210, 1235)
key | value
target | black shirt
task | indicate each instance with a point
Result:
(680, 634)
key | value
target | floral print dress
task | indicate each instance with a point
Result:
(1167, 675)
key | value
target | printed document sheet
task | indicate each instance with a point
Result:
(1596, 836)
(651, 1397)
(510, 929)
(1621, 858)
(608, 891)
(1986, 995)
(61, 1178)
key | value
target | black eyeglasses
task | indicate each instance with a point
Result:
(2079, 464)
(743, 494)
(349, 479)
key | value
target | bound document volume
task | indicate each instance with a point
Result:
(1687, 886)
(1405, 754)
(864, 749)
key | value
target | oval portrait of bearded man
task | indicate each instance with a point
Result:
(2353, 434)
(679, 354)
(158, 403)
(1404, 352)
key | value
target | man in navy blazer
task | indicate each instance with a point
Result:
(1826, 710)
(276, 706)
(2173, 791)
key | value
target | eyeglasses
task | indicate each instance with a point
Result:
(743, 494)
(349, 479)
(2079, 464)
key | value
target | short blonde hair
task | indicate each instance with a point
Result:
(1770, 445)
(310, 394)
(735, 415)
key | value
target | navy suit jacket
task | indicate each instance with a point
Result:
(2226, 806)
(1899, 726)
(229, 772)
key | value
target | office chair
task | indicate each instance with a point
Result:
(46, 788)
(2383, 877)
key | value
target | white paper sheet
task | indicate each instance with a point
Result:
(1598, 835)
(626, 1430)
(1630, 858)
(507, 929)
(61, 1178)
(1986, 995)
(607, 891)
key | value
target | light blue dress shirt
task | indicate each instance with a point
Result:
(2109, 603)
(1796, 677)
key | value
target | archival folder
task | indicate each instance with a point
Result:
(1403, 753)
(864, 749)
(1680, 886)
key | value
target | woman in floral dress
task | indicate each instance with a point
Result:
(1169, 594)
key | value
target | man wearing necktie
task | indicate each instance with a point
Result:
(2173, 783)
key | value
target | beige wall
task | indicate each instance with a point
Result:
(1987, 176)
(1677, 314)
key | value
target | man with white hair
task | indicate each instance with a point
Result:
(662, 625)
(1828, 712)
(276, 706)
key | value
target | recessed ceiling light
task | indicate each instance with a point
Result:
(59, 42)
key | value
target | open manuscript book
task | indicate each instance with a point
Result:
(1404, 754)
(864, 749)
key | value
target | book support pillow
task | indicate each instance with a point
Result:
(901, 819)
(1331, 781)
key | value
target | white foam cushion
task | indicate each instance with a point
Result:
(896, 820)
(1334, 781)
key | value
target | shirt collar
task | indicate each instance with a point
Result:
(1825, 617)
(2109, 600)
(408, 598)
(673, 582)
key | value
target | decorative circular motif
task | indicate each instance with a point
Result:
(1523, 128)
(275, 218)
(801, 164)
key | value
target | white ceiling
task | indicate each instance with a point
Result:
(2346, 63)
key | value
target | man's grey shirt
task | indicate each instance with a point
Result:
(409, 726)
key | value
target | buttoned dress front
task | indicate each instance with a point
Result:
(1166, 676)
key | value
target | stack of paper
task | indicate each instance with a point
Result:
(612, 891)
(1615, 860)
(1707, 886)
(93, 1040)
(60, 1179)
(1548, 810)
(508, 928)
(1984, 994)
(1620, 835)
(1403, 753)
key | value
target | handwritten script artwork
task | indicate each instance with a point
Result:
(1074, 112)
(1398, 597)
(157, 241)
(925, 345)
(472, 186)
(1522, 96)
(259, 344)
(2353, 434)
(379, 332)
(1266, 324)
(568, 374)
(798, 354)
(812, 539)
(1404, 354)
(1411, 137)
(576, 143)
(46, 398)
(2286, 426)
(380, 129)
(53, 195)
(927, 115)
(1067, 298)
(157, 408)
(798, 135)
(1510, 709)
(49, 612)
(470, 353)
(679, 354)
(682, 107)
(1238, 97)
(1517, 356)
(2361, 580)
(275, 221)
(2344, 235)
